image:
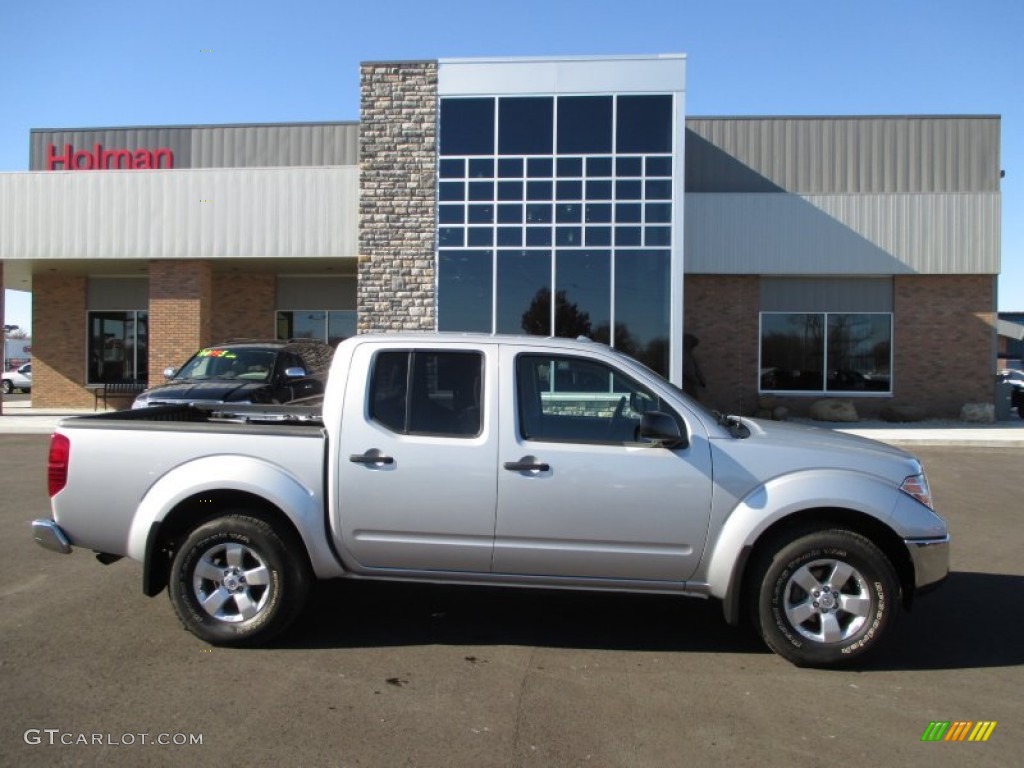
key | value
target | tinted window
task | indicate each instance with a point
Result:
(642, 306)
(525, 125)
(464, 289)
(583, 291)
(584, 124)
(524, 301)
(467, 126)
(427, 392)
(644, 124)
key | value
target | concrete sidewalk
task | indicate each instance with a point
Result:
(20, 417)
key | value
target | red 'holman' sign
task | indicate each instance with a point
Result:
(102, 159)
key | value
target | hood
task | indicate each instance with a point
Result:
(212, 391)
(778, 448)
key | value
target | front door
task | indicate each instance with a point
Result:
(578, 495)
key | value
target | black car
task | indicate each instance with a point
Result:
(245, 372)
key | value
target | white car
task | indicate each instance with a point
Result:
(19, 378)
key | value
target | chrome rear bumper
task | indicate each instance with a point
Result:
(48, 535)
(930, 558)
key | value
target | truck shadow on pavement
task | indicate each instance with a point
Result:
(380, 614)
(964, 624)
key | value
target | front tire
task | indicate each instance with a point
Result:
(825, 598)
(8, 387)
(235, 581)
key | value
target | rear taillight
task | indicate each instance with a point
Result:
(57, 465)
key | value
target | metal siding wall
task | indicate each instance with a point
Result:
(118, 293)
(315, 293)
(811, 294)
(860, 155)
(301, 212)
(224, 146)
(772, 234)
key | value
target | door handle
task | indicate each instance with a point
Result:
(370, 458)
(526, 465)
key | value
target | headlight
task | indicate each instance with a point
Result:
(917, 487)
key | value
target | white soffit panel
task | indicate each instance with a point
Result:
(625, 74)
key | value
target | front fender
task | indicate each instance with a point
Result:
(785, 496)
(302, 505)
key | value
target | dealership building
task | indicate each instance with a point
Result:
(813, 257)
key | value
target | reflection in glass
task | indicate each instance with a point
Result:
(118, 346)
(792, 351)
(464, 291)
(583, 286)
(341, 324)
(642, 306)
(524, 301)
(859, 352)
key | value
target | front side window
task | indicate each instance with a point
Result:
(118, 346)
(816, 352)
(568, 399)
(427, 393)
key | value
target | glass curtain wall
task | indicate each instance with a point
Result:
(555, 218)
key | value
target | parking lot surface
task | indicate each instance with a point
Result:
(94, 673)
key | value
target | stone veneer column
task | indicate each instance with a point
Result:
(397, 199)
(180, 297)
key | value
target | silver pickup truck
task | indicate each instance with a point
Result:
(503, 461)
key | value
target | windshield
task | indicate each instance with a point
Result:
(221, 363)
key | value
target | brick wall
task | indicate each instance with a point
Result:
(59, 342)
(722, 311)
(397, 158)
(180, 297)
(944, 341)
(243, 307)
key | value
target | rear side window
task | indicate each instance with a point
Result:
(426, 392)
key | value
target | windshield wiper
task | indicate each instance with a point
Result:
(736, 427)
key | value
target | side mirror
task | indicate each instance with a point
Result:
(295, 372)
(661, 430)
(169, 372)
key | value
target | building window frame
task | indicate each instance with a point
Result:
(340, 318)
(612, 204)
(101, 365)
(844, 381)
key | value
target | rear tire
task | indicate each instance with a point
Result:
(235, 581)
(8, 387)
(824, 598)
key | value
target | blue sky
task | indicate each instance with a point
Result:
(66, 63)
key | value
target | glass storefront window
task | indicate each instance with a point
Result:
(817, 352)
(588, 176)
(331, 326)
(118, 346)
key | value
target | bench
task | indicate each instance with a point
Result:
(115, 389)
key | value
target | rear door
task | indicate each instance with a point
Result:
(578, 495)
(417, 459)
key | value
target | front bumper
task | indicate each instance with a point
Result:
(48, 535)
(931, 560)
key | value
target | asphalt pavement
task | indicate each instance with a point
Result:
(378, 674)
